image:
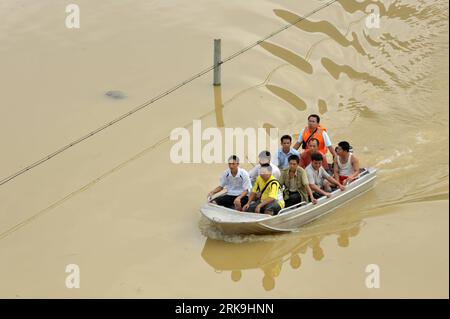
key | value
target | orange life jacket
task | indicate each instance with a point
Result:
(317, 135)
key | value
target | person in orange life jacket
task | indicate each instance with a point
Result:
(320, 181)
(305, 158)
(237, 182)
(346, 165)
(318, 132)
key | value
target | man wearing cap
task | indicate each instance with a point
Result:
(237, 183)
(264, 158)
(271, 201)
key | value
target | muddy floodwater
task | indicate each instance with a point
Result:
(117, 206)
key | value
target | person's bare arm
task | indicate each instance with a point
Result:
(237, 200)
(310, 194)
(355, 166)
(335, 182)
(215, 191)
(317, 189)
(325, 163)
(251, 198)
(335, 168)
(267, 201)
(243, 194)
(332, 151)
(281, 180)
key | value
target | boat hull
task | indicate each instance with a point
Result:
(230, 221)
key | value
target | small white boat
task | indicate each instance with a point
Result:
(289, 219)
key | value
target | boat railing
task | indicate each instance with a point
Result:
(363, 172)
(284, 210)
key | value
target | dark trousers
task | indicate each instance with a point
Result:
(228, 201)
(317, 195)
(294, 198)
(271, 209)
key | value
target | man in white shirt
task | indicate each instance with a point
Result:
(320, 181)
(264, 158)
(237, 182)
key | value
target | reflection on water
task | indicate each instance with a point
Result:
(270, 255)
(324, 27)
(335, 70)
(322, 106)
(382, 52)
(390, 9)
(359, 109)
(352, 6)
(288, 96)
(218, 105)
(288, 56)
(267, 127)
(343, 239)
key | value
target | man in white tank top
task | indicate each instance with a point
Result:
(346, 165)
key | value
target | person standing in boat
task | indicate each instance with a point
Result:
(314, 129)
(346, 165)
(271, 200)
(319, 180)
(296, 183)
(237, 182)
(264, 158)
(285, 152)
(313, 147)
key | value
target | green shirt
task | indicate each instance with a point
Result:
(301, 180)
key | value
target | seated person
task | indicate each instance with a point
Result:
(285, 151)
(313, 147)
(296, 183)
(271, 200)
(238, 185)
(319, 180)
(264, 158)
(346, 165)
